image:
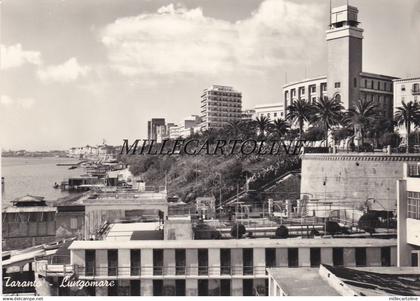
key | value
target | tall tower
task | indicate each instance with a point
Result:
(344, 40)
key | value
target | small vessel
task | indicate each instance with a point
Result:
(73, 167)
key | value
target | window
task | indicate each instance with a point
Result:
(224, 287)
(180, 261)
(112, 262)
(268, 115)
(248, 260)
(203, 261)
(366, 83)
(225, 262)
(157, 287)
(248, 287)
(337, 85)
(338, 259)
(416, 87)
(90, 262)
(402, 87)
(355, 82)
(135, 262)
(313, 89)
(157, 262)
(203, 287)
(275, 115)
(270, 257)
(293, 257)
(73, 223)
(180, 287)
(360, 256)
(315, 257)
(386, 256)
(134, 287)
(413, 204)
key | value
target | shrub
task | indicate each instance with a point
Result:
(332, 227)
(237, 231)
(282, 232)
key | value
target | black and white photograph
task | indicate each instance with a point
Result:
(266, 148)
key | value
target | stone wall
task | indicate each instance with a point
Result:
(354, 178)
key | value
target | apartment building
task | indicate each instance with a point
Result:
(220, 105)
(213, 267)
(345, 78)
(185, 127)
(406, 90)
(408, 212)
(155, 126)
(272, 111)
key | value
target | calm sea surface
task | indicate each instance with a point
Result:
(35, 176)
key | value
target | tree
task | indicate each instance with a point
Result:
(332, 227)
(379, 127)
(341, 134)
(237, 231)
(262, 124)
(279, 128)
(314, 134)
(392, 139)
(298, 112)
(328, 112)
(407, 115)
(362, 116)
(282, 232)
(369, 222)
(235, 128)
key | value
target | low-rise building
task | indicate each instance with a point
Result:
(272, 111)
(213, 267)
(408, 212)
(406, 90)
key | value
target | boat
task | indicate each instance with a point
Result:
(73, 167)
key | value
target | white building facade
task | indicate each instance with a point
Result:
(220, 105)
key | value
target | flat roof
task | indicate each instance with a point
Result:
(301, 282)
(237, 243)
(378, 76)
(381, 282)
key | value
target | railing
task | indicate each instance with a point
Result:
(146, 271)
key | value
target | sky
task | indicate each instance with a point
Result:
(75, 72)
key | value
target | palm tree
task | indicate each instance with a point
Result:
(298, 112)
(362, 115)
(279, 128)
(406, 115)
(328, 112)
(234, 128)
(262, 124)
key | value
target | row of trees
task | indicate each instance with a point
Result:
(324, 116)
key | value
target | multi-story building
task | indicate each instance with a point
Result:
(247, 115)
(345, 79)
(220, 105)
(408, 212)
(213, 267)
(185, 127)
(29, 221)
(406, 90)
(272, 111)
(154, 126)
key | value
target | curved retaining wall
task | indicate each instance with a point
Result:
(352, 178)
